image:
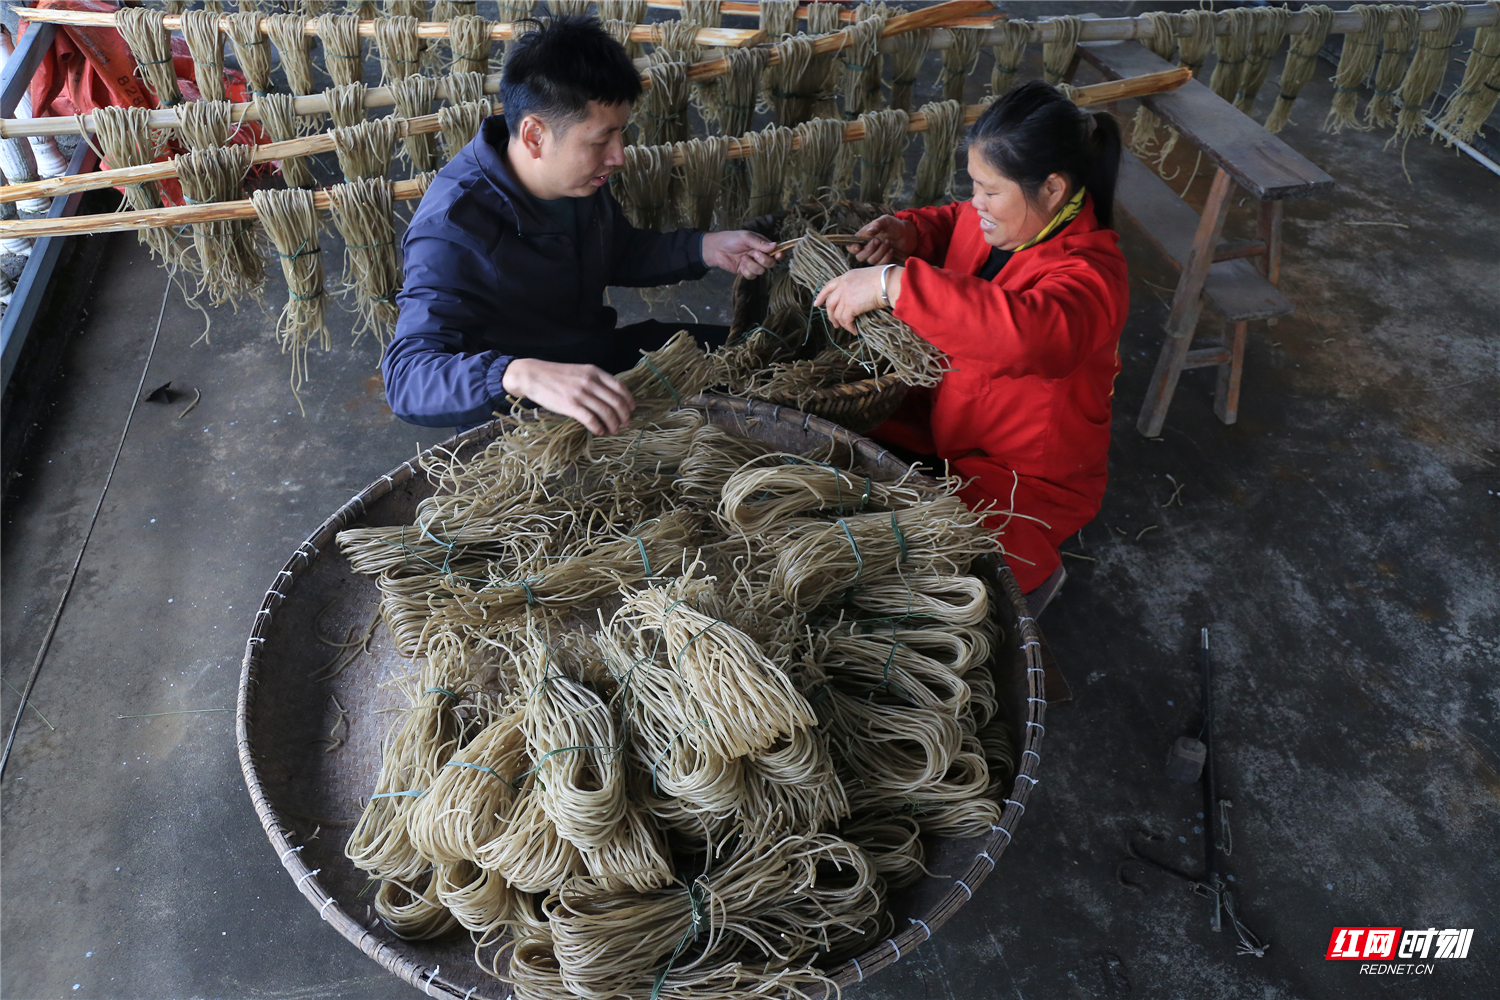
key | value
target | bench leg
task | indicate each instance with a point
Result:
(1169, 366)
(1187, 306)
(1268, 225)
(1227, 394)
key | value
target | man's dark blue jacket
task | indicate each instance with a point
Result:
(490, 276)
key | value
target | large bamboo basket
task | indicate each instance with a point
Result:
(297, 788)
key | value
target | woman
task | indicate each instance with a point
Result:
(1024, 288)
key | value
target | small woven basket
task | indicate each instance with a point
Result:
(860, 406)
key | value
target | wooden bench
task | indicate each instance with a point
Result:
(1213, 271)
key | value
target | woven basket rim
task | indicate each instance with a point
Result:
(430, 981)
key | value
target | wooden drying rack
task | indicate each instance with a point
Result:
(1101, 93)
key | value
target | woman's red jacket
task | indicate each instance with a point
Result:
(1025, 410)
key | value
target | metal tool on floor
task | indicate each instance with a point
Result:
(1190, 760)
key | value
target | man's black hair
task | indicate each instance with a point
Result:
(555, 69)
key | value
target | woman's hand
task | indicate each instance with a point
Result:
(890, 240)
(590, 395)
(739, 251)
(856, 292)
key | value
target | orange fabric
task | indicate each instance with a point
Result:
(1025, 411)
(88, 68)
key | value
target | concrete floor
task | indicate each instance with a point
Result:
(1340, 542)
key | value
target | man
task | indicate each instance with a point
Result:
(511, 249)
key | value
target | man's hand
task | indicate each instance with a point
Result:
(855, 292)
(589, 395)
(739, 251)
(890, 240)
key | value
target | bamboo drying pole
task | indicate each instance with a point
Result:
(726, 38)
(308, 145)
(381, 97)
(937, 15)
(1120, 29)
(240, 111)
(847, 16)
(219, 211)
(1099, 93)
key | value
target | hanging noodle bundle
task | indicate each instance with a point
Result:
(1009, 53)
(1232, 49)
(1301, 60)
(1161, 40)
(151, 45)
(1475, 97)
(816, 261)
(291, 222)
(701, 13)
(1059, 51)
(252, 50)
(362, 211)
(881, 153)
(642, 185)
(458, 124)
(676, 41)
(346, 104)
(858, 56)
(1270, 31)
(959, 60)
(909, 49)
(703, 163)
(945, 122)
(295, 45)
(447, 10)
(820, 80)
(203, 124)
(414, 96)
(469, 41)
(771, 150)
(778, 18)
(125, 140)
(343, 52)
(661, 115)
(282, 124)
(1425, 74)
(875, 67)
(231, 267)
(628, 13)
(461, 88)
(1356, 62)
(1196, 35)
(200, 28)
(365, 150)
(1396, 47)
(781, 79)
(398, 46)
(819, 141)
(737, 88)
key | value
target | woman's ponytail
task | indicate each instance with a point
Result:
(1104, 140)
(1033, 132)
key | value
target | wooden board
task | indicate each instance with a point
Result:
(1257, 160)
(1234, 287)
